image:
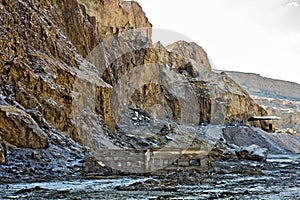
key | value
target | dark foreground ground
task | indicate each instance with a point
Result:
(277, 178)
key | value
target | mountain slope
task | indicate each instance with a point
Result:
(79, 76)
(257, 85)
(278, 97)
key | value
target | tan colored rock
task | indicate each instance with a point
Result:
(86, 23)
(43, 68)
(191, 51)
(43, 78)
(19, 129)
(221, 100)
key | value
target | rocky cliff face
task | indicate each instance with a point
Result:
(43, 44)
(280, 98)
(86, 72)
(257, 85)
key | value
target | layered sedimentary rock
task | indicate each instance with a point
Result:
(88, 71)
(42, 48)
(221, 100)
(43, 44)
(18, 128)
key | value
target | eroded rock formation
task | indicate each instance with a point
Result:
(87, 71)
(18, 128)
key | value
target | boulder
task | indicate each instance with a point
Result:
(191, 52)
(19, 129)
(150, 184)
(252, 152)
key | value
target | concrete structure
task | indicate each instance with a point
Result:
(268, 119)
(151, 161)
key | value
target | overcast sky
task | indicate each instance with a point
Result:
(259, 36)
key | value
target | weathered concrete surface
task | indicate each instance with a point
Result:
(150, 161)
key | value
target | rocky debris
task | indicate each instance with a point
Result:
(223, 151)
(253, 152)
(226, 150)
(185, 177)
(28, 190)
(287, 131)
(139, 117)
(246, 136)
(149, 184)
(93, 167)
(289, 142)
(225, 141)
(2, 152)
(63, 158)
(19, 129)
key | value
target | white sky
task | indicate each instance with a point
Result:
(259, 36)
